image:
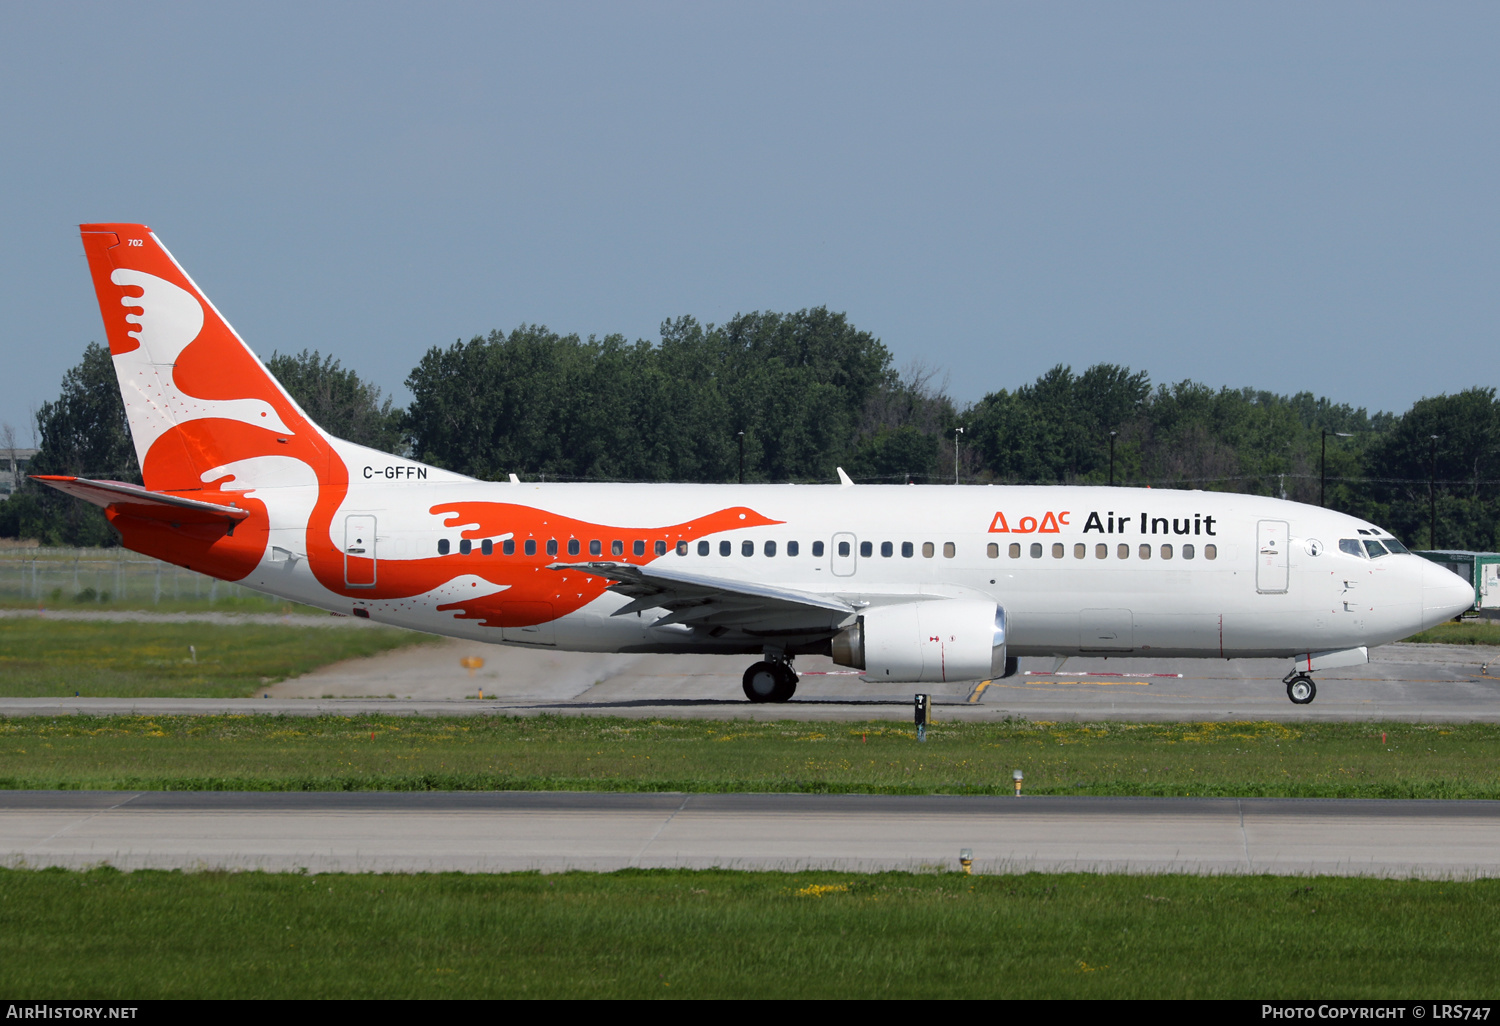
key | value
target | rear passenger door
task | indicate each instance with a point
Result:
(359, 552)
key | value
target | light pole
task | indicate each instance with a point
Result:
(1323, 466)
(1432, 495)
(1112, 458)
(956, 433)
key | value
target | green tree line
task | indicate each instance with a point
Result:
(772, 397)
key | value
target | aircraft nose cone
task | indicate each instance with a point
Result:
(1444, 593)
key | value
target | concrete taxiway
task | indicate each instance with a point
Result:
(554, 832)
(1422, 683)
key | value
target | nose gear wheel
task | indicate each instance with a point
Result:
(1300, 688)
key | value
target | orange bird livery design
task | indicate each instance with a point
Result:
(907, 584)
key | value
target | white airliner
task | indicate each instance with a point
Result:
(908, 584)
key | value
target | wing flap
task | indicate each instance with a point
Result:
(695, 599)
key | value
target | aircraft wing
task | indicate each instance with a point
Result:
(710, 603)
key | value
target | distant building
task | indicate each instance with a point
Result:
(1481, 569)
(13, 465)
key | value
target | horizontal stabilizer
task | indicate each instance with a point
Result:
(134, 501)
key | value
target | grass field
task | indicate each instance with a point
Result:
(246, 602)
(1467, 632)
(1398, 760)
(115, 579)
(104, 934)
(49, 658)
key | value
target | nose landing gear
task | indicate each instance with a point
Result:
(770, 681)
(1300, 687)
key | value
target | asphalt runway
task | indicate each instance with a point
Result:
(555, 832)
(1415, 683)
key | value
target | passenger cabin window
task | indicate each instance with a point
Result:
(843, 548)
(769, 548)
(1015, 550)
(1036, 550)
(1166, 552)
(949, 550)
(1210, 552)
(1187, 551)
(595, 548)
(551, 546)
(887, 549)
(1080, 550)
(487, 547)
(1352, 547)
(1123, 551)
(791, 548)
(747, 547)
(617, 548)
(682, 548)
(530, 546)
(866, 549)
(907, 550)
(508, 546)
(818, 548)
(928, 550)
(572, 546)
(661, 548)
(442, 546)
(992, 550)
(725, 548)
(1101, 551)
(465, 547)
(1057, 550)
(639, 548)
(1145, 551)
(703, 548)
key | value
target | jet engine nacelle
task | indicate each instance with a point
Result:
(926, 642)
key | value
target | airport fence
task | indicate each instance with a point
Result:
(112, 577)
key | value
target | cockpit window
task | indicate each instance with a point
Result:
(1395, 546)
(1375, 549)
(1352, 547)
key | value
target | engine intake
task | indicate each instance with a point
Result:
(926, 642)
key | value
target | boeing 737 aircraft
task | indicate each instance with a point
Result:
(908, 584)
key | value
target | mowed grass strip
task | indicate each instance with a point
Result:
(83, 602)
(104, 934)
(1461, 632)
(401, 753)
(42, 658)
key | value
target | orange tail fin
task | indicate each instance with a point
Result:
(197, 399)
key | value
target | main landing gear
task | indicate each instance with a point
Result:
(1300, 687)
(773, 680)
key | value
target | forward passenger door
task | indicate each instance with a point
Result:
(1271, 572)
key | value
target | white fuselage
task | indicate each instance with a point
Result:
(1180, 573)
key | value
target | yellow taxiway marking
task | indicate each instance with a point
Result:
(974, 695)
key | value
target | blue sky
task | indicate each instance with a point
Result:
(1287, 196)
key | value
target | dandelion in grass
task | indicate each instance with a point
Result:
(821, 890)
